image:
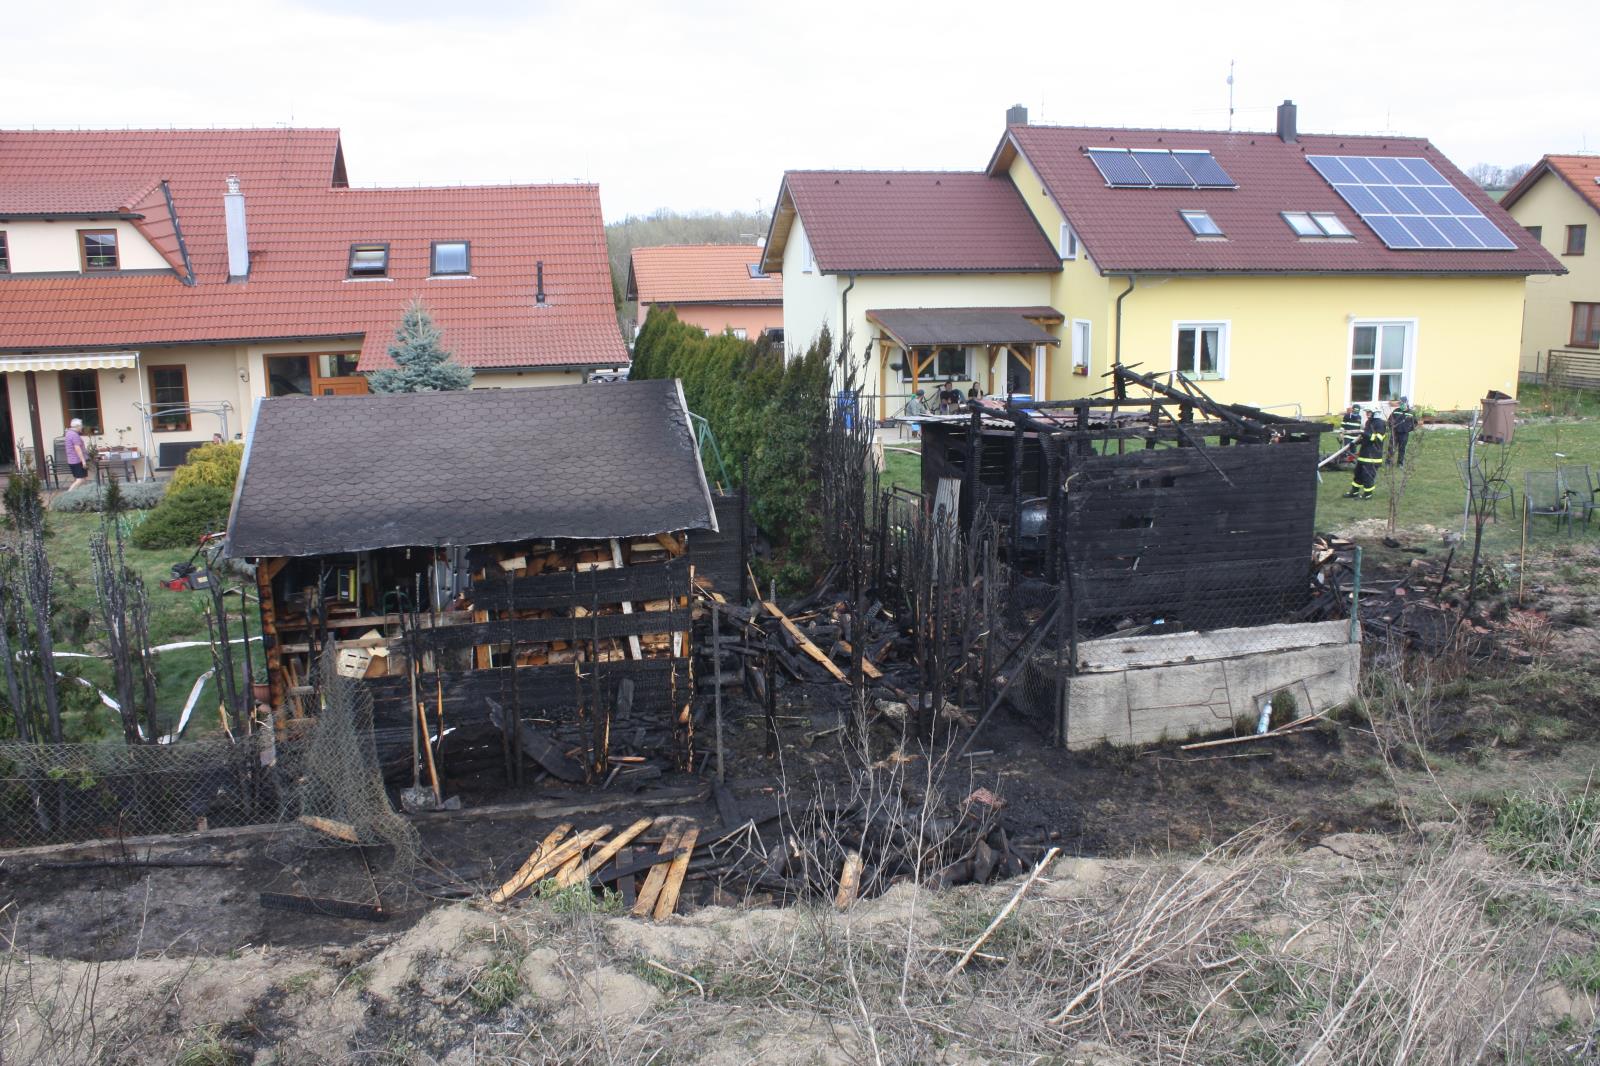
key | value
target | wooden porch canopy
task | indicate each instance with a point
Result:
(921, 331)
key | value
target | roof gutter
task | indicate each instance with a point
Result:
(1117, 356)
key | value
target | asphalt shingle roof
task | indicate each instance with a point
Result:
(701, 274)
(1140, 230)
(301, 223)
(897, 221)
(921, 326)
(331, 474)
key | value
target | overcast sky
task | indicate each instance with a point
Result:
(702, 105)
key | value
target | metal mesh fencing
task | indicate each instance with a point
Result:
(61, 793)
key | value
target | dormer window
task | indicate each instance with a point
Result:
(369, 260)
(452, 257)
(97, 250)
(1201, 223)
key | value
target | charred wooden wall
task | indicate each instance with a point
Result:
(720, 557)
(1163, 533)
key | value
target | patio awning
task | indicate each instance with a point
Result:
(921, 327)
(17, 364)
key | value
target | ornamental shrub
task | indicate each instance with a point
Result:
(184, 516)
(216, 465)
(422, 362)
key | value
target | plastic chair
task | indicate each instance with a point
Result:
(1483, 487)
(1542, 494)
(1578, 483)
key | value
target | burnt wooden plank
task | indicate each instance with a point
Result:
(544, 630)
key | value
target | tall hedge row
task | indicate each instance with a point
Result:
(767, 412)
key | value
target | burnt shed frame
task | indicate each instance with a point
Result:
(1159, 501)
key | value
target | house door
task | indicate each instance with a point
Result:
(1381, 355)
(1019, 372)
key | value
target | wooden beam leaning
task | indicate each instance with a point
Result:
(651, 889)
(605, 854)
(805, 642)
(667, 901)
(539, 853)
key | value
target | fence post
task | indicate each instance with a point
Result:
(1355, 601)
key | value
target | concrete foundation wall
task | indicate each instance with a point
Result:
(1143, 690)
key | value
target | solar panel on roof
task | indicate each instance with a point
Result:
(1144, 168)
(1204, 169)
(1408, 203)
(1163, 169)
(1119, 168)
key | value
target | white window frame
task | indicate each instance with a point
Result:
(1200, 212)
(1224, 328)
(1068, 241)
(808, 261)
(1408, 374)
(1082, 353)
(1338, 229)
(741, 333)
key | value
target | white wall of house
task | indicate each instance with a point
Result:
(524, 379)
(37, 247)
(810, 297)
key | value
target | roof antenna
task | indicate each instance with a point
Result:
(1230, 95)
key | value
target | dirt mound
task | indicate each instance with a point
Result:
(1102, 963)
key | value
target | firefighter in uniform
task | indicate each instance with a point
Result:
(1369, 456)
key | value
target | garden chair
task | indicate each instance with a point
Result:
(1578, 483)
(1542, 494)
(1483, 487)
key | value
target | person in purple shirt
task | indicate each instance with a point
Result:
(77, 454)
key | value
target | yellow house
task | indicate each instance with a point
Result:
(1300, 273)
(1558, 202)
(156, 284)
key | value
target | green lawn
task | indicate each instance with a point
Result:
(1432, 500)
(174, 616)
(1432, 497)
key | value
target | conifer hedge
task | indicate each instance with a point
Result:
(768, 414)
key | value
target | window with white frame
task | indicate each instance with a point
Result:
(741, 333)
(1380, 360)
(1082, 332)
(1202, 350)
(1069, 242)
(808, 262)
(1201, 224)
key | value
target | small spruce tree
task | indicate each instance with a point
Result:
(422, 364)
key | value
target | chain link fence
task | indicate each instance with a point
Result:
(111, 790)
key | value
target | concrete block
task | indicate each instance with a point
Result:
(1156, 695)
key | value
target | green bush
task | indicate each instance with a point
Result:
(136, 496)
(216, 465)
(767, 412)
(184, 517)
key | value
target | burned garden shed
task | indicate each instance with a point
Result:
(1168, 542)
(1153, 501)
(517, 562)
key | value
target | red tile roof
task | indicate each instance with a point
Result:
(701, 274)
(50, 199)
(301, 223)
(1139, 230)
(1582, 172)
(906, 222)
